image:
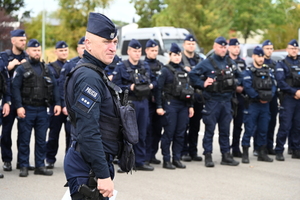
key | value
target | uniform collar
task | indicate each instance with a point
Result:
(93, 60)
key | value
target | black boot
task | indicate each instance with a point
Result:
(168, 165)
(245, 156)
(279, 157)
(262, 155)
(178, 164)
(227, 159)
(296, 154)
(208, 160)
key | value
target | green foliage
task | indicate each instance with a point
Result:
(11, 5)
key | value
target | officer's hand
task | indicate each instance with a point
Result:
(21, 112)
(191, 112)
(22, 61)
(208, 81)
(132, 87)
(151, 86)
(296, 97)
(261, 101)
(160, 111)
(57, 110)
(106, 187)
(12, 64)
(64, 110)
(298, 94)
(110, 77)
(188, 69)
(239, 89)
(6, 109)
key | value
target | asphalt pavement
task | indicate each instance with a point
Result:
(256, 180)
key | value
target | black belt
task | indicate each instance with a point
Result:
(77, 148)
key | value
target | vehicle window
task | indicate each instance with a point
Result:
(250, 52)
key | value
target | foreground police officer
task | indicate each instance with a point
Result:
(34, 89)
(175, 106)
(62, 52)
(218, 82)
(10, 59)
(190, 59)
(260, 87)
(268, 48)
(135, 75)
(234, 54)
(89, 103)
(154, 126)
(287, 76)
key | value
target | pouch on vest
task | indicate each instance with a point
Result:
(141, 90)
(127, 158)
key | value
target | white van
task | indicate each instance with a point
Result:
(164, 36)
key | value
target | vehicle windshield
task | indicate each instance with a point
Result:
(179, 42)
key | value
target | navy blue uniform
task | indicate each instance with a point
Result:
(289, 115)
(8, 121)
(238, 119)
(217, 108)
(109, 69)
(57, 121)
(257, 114)
(89, 99)
(154, 126)
(124, 79)
(36, 117)
(191, 136)
(176, 115)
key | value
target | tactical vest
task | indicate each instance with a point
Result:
(262, 82)
(109, 126)
(180, 88)
(37, 90)
(187, 63)
(140, 78)
(294, 78)
(156, 69)
(241, 65)
(10, 55)
(224, 80)
(57, 69)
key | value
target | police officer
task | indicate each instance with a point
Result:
(154, 126)
(109, 69)
(260, 87)
(10, 59)
(216, 76)
(34, 89)
(62, 52)
(88, 100)
(175, 106)
(287, 77)
(268, 48)
(190, 59)
(234, 54)
(135, 76)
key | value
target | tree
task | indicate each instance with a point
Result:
(146, 9)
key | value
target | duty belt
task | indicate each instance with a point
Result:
(77, 148)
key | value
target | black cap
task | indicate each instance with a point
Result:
(61, 44)
(134, 44)
(175, 48)
(33, 43)
(17, 33)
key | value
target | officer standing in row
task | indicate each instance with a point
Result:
(190, 59)
(34, 89)
(219, 86)
(135, 76)
(154, 126)
(88, 101)
(67, 67)
(10, 59)
(268, 48)
(175, 106)
(234, 54)
(260, 87)
(288, 80)
(56, 122)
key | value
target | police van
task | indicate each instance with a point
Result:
(164, 36)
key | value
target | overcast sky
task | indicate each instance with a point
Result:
(119, 10)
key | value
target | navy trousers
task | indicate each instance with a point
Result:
(237, 124)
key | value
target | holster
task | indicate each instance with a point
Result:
(90, 191)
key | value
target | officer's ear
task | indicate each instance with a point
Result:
(87, 44)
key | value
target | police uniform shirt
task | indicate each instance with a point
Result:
(271, 63)
(109, 69)
(18, 81)
(206, 69)
(67, 67)
(5, 59)
(123, 79)
(248, 86)
(282, 72)
(90, 99)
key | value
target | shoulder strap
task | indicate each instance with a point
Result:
(9, 55)
(172, 69)
(27, 66)
(56, 67)
(126, 63)
(185, 61)
(213, 63)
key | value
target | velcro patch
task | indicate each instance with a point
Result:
(86, 101)
(90, 92)
(247, 77)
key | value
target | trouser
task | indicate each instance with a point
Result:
(237, 124)
(37, 119)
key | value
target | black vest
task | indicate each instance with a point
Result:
(262, 82)
(294, 77)
(37, 90)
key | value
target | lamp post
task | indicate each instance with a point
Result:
(43, 31)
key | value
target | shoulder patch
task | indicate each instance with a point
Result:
(85, 101)
(247, 77)
(90, 92)
(279, 70)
